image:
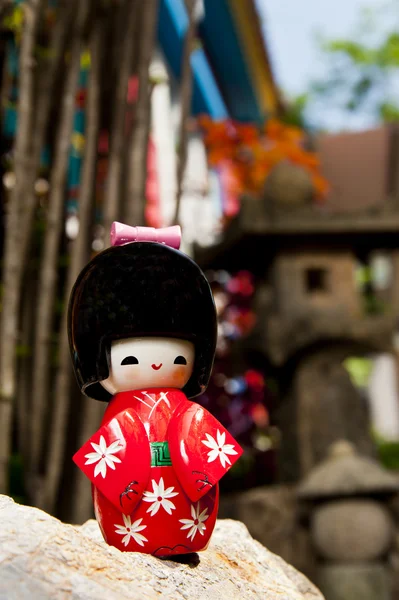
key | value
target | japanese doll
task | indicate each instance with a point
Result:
(142, 330)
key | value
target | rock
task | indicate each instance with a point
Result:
(393, 562)
(271, 514)
(361, 581)
(40, 557)
(352, 530)
(345, 473)
(329, 407)
(289, 185)
(323, 405)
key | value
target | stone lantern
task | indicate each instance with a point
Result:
(351, 527)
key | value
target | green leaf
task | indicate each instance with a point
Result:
(359, 370)
(294, 114)
(389, 112)
(388, 54)
(362, 86)
(356, 52)
(23, 350)
(14, 20)
(352, 105)
(388, 454)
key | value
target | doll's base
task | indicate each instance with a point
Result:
(178, 553)
(192, 559)
(151, 529)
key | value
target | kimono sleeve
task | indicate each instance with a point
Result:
(117, 460)
(201, 449)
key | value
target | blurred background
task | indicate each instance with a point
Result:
(269, 130)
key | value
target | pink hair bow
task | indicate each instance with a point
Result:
(124, 234)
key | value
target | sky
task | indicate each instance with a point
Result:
(291, 28)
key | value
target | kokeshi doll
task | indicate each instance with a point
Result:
(142, 329)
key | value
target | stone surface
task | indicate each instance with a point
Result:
(289, 185)
(271, 514)
(352, 530)
(40, 557)
(362, 581)
(323, 406)
(393, 561)
(330, 408)
(332, 293)
(345, 473)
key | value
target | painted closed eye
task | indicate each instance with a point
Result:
(130, 360)
(180, 360)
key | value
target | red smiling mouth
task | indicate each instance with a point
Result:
(156, 367)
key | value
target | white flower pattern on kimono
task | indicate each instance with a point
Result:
(131, 531)
(196, 524)
(103, 455)
(218, 448)
(159, 497)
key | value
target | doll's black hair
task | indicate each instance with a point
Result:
(139, 289)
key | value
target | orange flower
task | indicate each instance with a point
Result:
(276, 130)
(254, 152)
(320, 185)
(247, 134)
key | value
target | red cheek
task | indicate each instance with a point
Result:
(178, 376)
(132, 374)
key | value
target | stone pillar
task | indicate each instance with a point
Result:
(329, 408)
(394, 299)
(356, 581)
(353, 537)
(351, 527)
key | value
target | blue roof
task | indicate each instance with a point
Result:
(172, 26)
(225, 54)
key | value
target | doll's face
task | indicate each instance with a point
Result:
(150, 362)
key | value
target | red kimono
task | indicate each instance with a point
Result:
(155, 464)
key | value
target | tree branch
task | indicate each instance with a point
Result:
(137, 168)
(78, 258)
(13, 253)
(48, 268)
(186, 89)
(112, 202)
